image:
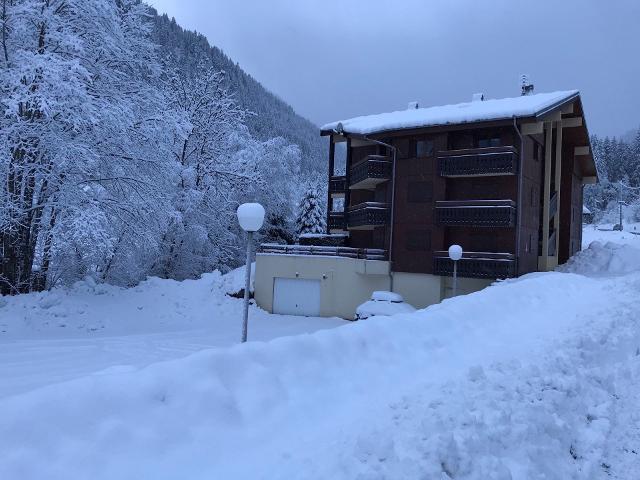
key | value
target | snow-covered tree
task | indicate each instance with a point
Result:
(310, 218)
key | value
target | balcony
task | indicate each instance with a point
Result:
(367, 215)
(374, 169)
(347, 252)
(478, 162)
(338, 185)
(476, 265)
(476, 213)
(336, 221)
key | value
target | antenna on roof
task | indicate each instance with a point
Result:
(526, 85)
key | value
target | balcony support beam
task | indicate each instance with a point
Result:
(558, 180)
(546, 196)
(332, 152)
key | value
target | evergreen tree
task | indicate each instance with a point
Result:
(310, 217)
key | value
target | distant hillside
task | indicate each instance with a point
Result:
(274, 116)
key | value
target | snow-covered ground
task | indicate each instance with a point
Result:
(536, 377)
(50, 337)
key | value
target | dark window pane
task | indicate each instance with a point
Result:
(424, 148)
(489, 142)
(419, 192)
(418, 240)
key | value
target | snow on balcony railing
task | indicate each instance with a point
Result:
(317, 250)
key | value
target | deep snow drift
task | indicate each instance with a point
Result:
(531, 378)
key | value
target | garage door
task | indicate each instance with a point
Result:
(296, 296)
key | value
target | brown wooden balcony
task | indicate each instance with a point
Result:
(337, 221)
(367, 215)
(476, 213)
(476, 265)
(338, 185)
(374, 169)
(347, 252)
(478, 162)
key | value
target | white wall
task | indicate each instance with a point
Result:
(348, 282)
(345, 282)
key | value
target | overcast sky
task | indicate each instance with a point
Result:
(335, 59)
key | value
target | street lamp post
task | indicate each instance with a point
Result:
(455, 254)
(250, 218)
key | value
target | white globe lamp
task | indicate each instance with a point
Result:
(455, 254)
(250, 218)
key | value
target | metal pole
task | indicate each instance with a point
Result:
(455, 278)
(621, 215)
(247, 284)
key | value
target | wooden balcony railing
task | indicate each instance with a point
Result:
(476, 213)
(478, 161)
(476, 265)
(348, 252)
(374, 169)
(367, 215)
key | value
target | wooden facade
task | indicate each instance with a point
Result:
(509, 192)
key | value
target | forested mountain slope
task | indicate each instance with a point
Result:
(126, 145)
(274, 117)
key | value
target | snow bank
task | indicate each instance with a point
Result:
(604, 259)
(280, 404)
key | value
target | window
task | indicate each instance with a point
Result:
(419, 192)
(493, 141)
(424, 148)
(418, 240)
(536, 151)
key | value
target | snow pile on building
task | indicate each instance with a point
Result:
(475, 111)
(526, 378)
(604, 259)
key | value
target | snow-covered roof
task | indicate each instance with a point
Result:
(486, 110)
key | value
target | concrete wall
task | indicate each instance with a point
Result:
(418, 289)
(347, 282)
(465, 285)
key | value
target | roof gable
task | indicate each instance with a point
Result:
(469, 112)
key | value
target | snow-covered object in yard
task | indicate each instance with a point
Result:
(383, 303)
(494, 109)
(604, 259)
(585, 209)
(385, 296)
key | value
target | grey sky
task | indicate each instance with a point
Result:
(335, 59)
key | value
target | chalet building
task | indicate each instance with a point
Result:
(502, 178)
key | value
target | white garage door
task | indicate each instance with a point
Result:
(296, 296)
